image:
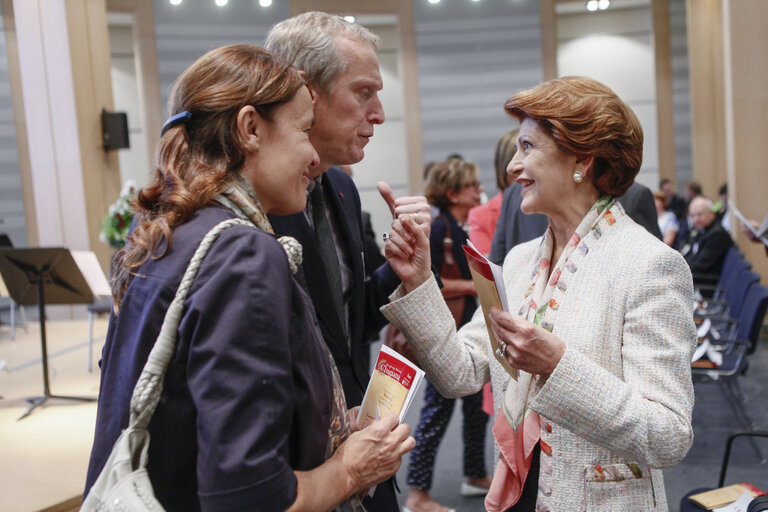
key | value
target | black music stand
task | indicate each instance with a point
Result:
(34, 276)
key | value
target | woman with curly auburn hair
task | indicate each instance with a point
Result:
(252, 413)
(599, 333)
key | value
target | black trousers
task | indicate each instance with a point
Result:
(383, 499)
(527, 501)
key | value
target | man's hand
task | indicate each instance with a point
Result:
(414, 206)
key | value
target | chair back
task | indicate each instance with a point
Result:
(737, 290)
(752, 315)
(733, 255)
(733, 264)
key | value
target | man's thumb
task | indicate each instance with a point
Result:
(387, 194)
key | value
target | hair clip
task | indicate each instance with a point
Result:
(174, 120)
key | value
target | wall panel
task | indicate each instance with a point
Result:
(681, 93)
(472, 56)
(185, 32)
(12, 214)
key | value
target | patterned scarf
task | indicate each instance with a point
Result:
(241, 199)
(517, 429)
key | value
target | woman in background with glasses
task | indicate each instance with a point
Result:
(452, 187)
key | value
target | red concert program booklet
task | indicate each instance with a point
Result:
(491, 292)
(392, 387)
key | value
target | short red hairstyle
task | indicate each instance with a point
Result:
(586, 118)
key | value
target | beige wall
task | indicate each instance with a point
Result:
(89, 52)
(61, 62)
(145, 55)
(664, 101)
(729, 107)
(746, 116)
(705, 54)
(661, 121)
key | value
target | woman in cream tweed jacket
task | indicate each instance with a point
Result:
(600, 325)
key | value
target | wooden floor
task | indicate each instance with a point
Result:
(44, 457)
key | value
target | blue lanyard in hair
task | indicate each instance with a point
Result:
(181, 117)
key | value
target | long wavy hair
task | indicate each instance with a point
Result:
(197, 159)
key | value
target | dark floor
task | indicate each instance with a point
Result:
(713, 421)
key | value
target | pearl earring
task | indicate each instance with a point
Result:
(577, 176)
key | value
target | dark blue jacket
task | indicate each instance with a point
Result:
(247, 396)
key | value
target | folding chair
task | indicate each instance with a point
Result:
(687, 506)
(732, 292)
(726, 312)
(733, 263)
(735, 351)
(6, 302)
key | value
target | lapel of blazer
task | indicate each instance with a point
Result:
(317, 284)
(341, 199)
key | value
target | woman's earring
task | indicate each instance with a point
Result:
(577, 176)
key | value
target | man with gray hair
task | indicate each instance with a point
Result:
(338, 60)
(705, 249)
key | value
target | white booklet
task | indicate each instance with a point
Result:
(392, 387)
(761, 232)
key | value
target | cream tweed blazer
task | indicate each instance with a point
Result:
(622, 392)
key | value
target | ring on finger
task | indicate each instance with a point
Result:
(385, 237)
(502, 350)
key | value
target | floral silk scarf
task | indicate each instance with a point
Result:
(240, 198)
(517, 429)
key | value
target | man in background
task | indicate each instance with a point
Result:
(675, 203)
(706, 247)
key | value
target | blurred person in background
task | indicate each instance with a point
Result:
(452, 187)
(675, 203)
(668, 223)
(482, 219)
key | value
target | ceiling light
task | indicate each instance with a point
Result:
(350, 19)
(265, 3)
(475, 0)
(603, 4)
(175, 2)
(222, 3)
(592, 5)
(434, 1)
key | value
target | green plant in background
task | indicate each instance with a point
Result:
(115, 226)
